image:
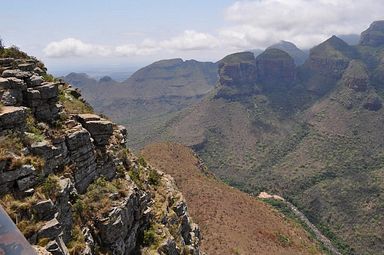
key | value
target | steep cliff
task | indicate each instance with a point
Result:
(68, 181)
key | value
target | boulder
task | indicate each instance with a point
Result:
(168, 247)
(9, 99)
(12, 117)
(35, 80)
(44, 210)
(50, 230)
(57, 247)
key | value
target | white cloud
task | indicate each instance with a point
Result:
(190, 40)
(71, 47)
(250, 24)
(187, 41)
(260, 23)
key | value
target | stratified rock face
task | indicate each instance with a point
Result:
(63, 166)
(25, 85)
(237, 75)
(326, 65)
(275, 68)
(374, 35)
(356, 76)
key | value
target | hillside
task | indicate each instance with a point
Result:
(68, 181)
(312, 133)
(231, 221)
(153, 95)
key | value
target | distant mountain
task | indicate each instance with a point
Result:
(312, 133)
(351, 39)
(298, 55)
(153, 95)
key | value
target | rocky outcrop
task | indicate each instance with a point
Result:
(326, 65)
(374, 35)
(275, 68)
(70, 183)
(237, 75)
(356, 76)
(25, 85)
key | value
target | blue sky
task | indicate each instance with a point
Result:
(76, 35)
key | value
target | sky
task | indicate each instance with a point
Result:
(117, 35)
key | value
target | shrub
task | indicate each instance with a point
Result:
(142, 162)
(77, 242)
(284, 240)
(13, 52)
(51, 186)
(154, 177)
(149, 237)
(49, 78)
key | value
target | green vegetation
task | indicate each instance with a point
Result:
(12, 52)
(142, 162)
(73, 105)
(283, 240)
(77, 243)
(21, 213)
(154, 177)
(51, 186)
(149, 237)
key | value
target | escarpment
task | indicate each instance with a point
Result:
(68, 181)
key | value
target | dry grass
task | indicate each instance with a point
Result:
(229, 219)
(20, 212)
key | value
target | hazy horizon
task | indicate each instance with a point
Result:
(96, 35)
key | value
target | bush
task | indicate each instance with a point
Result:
(51, 186)
(154, 177)
(142, 162)
(77, 242)
(149, 237)
(13, 52)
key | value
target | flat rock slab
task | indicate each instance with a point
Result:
(88, 117)
(16, 73)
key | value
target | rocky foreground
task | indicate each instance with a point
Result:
(67, 180)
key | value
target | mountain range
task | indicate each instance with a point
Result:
(148, 99)
(305, 126)
(312, 133)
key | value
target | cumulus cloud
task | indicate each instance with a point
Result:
(249, 24)
(191, 40)
(187, 41)
(260, 23)
(73, 47)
